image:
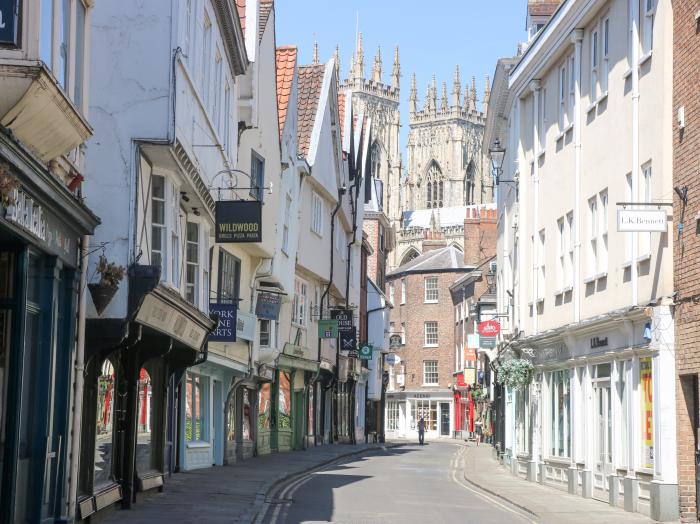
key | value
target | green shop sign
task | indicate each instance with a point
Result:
(327, 329)
(365, 352)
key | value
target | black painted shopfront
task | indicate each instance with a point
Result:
(133, 369)
(41, 226)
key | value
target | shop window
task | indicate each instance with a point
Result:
(392, 415)
(646, 384)
(247, 429)
(144, 438)
(522, 420)
(105, 425)
(560, 414)
(426, 409)
(623, 399)
(284, 404)
(231, 419)
(196, 408)
(264, 407)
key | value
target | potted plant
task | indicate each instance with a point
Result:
(103, 291)
(515, 373)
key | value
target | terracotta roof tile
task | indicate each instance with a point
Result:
(341, 113)
(309, 81)
(240, 5)
(285, 63)
(265, 10)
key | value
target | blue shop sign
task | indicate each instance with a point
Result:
(9, 22)
(226, 330)
(268, 306)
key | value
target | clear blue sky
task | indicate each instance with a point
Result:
(433, 36)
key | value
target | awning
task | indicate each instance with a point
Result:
(285, 361)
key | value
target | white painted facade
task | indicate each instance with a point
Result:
(589, 306)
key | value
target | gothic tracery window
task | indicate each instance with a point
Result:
(469, 185)
(435, 190)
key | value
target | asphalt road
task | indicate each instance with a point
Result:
(421, 484)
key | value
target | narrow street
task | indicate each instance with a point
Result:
(406, 484)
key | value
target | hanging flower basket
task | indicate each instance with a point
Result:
(515, 373)
(103, 292)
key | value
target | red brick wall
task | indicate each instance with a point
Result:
(415, 312)
(686, 172)
(376, 262)
(480, 235)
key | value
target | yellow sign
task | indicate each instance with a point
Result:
(647, 405)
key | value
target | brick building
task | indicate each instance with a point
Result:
(686, 168)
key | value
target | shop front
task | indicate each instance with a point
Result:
(598, 420)
(41, 226)
(135, 391)
(405, 409)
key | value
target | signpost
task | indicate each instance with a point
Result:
(641, 221)
(365, 352)
(238, 221)
(328, 329)
(226, 330)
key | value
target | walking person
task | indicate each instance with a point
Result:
(421, 431)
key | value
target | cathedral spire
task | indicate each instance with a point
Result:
(314, 61)
(443, 98)
(336, 57)
(428, 107)
(456, 88)
(396, 72)
(413, 99)
(487, 94)
(433, 95)
(377, 68)
(351, 72)
(472, 95)
(360, 59)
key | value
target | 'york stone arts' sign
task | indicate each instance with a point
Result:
(9, 22)
(238, 221)
(226, 330)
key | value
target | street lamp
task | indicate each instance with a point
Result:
(497, 154)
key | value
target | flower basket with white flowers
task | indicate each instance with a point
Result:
(515, 373)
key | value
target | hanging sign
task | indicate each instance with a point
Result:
(245, 325)
(365, 352)
(473, 341)
(268, 306)
(226, 330)
(238, 221)
(9, 22)
(392, 359)
(641, 220)
(487, 342)
(328, 329)
(348, 341)
(344, 318)
(489, 328)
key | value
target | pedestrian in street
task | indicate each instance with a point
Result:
(421, 431)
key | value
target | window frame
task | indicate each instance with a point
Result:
(429, 335)
(317, 204)
(257, 176)
(192, 247)
(228, 272)
(595, 59)
(300, 303)
(430, 290)
(430, 373)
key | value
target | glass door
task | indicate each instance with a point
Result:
(444, 419)
(603, 431)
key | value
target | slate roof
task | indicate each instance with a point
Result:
(265, 10)
(446, 259)
(285, 61)
(309, 81)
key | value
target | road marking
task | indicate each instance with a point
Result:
(455, 469)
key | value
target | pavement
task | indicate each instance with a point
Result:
(546, 504)
(232, 493)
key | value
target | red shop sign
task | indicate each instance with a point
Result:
(489, 328)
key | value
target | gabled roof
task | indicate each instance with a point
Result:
(444, 260)
(309, 81)
(265, 10)
(286, 59)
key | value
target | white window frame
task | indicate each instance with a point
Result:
(430, 334)
(542, 120)
(605, 54)
(572, 89)
(559, 381)
(216, 109)
(300, 303)
(193, 286)
(603, 201)
(593, 219)
(317, 214)
(403, 333)
(569, 280)
(430, 290)
(206, 59)
(267, 327)
(430, 370)
(391, 291)
(595, 50)
(648, 27)
(161, 227)
(563, 88)
(403, 291)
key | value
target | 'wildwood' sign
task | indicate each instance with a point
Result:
(238, 221)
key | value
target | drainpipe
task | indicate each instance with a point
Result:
(79, 381)
(535, 88)
(577, 38)
(635, 142)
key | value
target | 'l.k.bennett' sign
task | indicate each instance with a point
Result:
(238, 221)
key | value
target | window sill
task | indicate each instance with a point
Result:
(562, 291)
(541, 154)
(540, 301)
(589, 280)
(198, 444)
(564, 132)
(300, 326)
(319, 235)
(436, 384)
(626, 265)
(643, 258)
(430, 302)
(596, 102)
(559, 461)
(645, 58)
(431, 345)
(627, 74)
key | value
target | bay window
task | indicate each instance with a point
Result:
(157, 220)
